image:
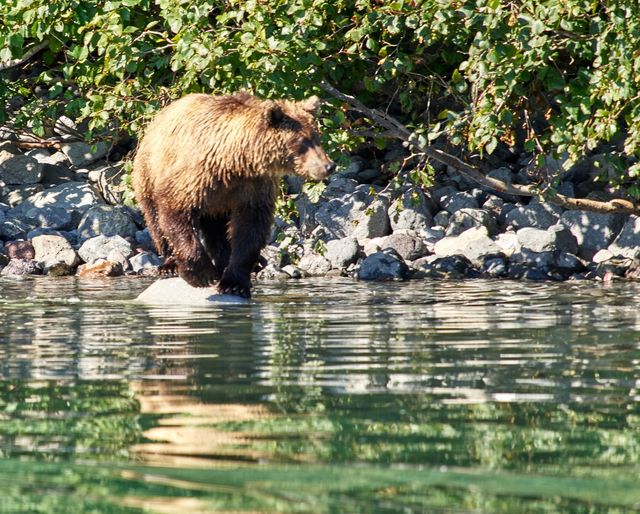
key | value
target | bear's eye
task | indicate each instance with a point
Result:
(307, 144)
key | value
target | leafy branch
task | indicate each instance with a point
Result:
(395, 129)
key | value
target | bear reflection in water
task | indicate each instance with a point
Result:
(206, 177)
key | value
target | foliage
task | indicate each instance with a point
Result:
(556, 77)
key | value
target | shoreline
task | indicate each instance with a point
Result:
(57, 217)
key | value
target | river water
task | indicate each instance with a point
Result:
(327, 396)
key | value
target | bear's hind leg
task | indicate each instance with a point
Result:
(216, 243)
(192, 261)
(249, 230)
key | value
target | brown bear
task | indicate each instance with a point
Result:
(206, 177)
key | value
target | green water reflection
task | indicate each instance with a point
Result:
(475, 396)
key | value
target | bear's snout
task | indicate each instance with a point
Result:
(316, 164)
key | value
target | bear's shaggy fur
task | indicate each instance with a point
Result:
(206, 177)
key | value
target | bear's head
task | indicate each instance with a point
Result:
(296, 128)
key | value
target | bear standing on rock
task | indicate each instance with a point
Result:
(206, 177)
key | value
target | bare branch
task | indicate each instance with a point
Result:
(397, 130)
(28, 55)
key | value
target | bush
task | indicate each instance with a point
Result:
(555, 77)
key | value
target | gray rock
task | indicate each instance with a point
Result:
(51, 250)
(410, 211)
(272, 272)
(339, 186)
(107, 220)
(568, 261)
(2, 217)
(314, 265)
(306, 214)
(593, 231)
(118, 257)
(292, 271)
(474, 244)
(495, 266)
(143, 238)
(175, 291)
(384, 265)
(53, 175)
(430, 236)
(52, 217)
(352, 170)
(540, 259)
(81, 154)
(19, 169)
(369, 175)
(555, 238)
(458, 200)
(74, 197)
(508, 242)
(536, 215)
(144, 261)
(294, 184)
(15, 195)
(21, 267)
(494, 205)
(342, 252)
(353, 218)
(627, 244)
(453, 266)
(442, 219)
(106, 179)
(408, 246)
(55, 159)
(14, 228)
(464, 219)
(99, 247)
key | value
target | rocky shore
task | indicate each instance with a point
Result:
(60, 215)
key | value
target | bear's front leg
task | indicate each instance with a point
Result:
(249, 230)
(192, 262)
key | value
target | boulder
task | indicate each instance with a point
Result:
(175, 291)
(593, 231)
(474, 244)
(144, 261)
(19, 169)
(51, 250)
(314, 265)
(49, 216)
(23, 250)
(384, 265)
(555, 238)
(100, 268)
(14, 228)
(15, 195)
(342, 252)
(81, 154)
(99, 247)
(74, 197)
(458, 200)
(538, 215)
(464, 219)
(106, 220)
(410, 211)
(627, 244)
(408, 246)
(21, 267)
(351, 217)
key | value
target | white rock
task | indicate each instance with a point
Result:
(175, 291)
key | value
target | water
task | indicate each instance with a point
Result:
(321, 396)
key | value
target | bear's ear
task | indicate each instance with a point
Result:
(272, 113)
(311, 104)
